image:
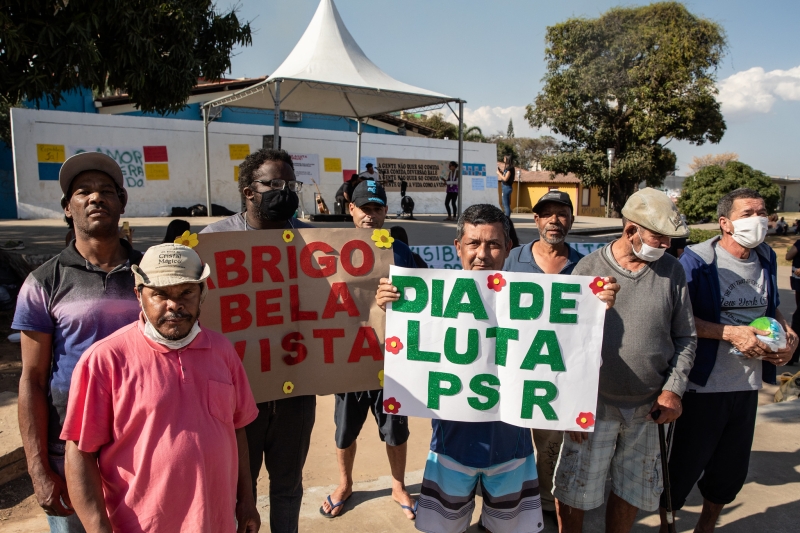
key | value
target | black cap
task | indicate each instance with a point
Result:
(369, 192)
(557, 197)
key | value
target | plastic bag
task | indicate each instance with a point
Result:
(776, 340)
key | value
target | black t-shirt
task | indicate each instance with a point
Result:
(344, 188)
(796, 258)
(512, 175)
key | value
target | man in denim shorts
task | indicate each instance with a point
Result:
(648, 350)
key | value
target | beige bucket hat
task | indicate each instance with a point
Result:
(653, 210)
(170, 264)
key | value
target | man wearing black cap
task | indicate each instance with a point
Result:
(549, 254)
(369, 209)
(77, 298)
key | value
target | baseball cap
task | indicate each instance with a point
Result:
(558, 197)
(653, 210)
(169, 264)
(89, 161)
(369, 192)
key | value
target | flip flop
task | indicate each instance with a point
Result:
(330, 502)
(412, 509)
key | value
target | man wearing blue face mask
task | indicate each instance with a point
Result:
(281, 435)
(648, 350)
(732, 281)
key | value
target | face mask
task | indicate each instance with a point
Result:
(278, 205)
(648, 253)
(750, 232)
(152, 333)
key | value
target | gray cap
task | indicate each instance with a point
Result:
(89, 161)
(653, 210)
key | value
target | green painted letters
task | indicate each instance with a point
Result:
(558, 303)
(503, 335)
(435, 390)
(516, 290)
(535, 356)
(474, 304)
(420, 297)
(437, 297)
(414, 353)
(450, 352)
(492, 395)
(530, 398)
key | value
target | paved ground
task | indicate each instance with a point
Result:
(770, 501)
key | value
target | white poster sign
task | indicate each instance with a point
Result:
(481, 346)
(306, 167)
(439, 256)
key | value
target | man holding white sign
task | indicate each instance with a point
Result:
(471, 441)
(648, 350)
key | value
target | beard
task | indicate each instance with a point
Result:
(554, 240)
(175, 335)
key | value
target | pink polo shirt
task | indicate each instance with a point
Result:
(164, 423)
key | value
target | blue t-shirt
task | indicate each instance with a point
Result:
(402, 255)
(521, 260)
(480, 444)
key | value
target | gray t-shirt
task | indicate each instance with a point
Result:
(743, 291)
(237, 222)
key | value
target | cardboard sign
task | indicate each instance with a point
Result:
(481, 346)
(299, 307)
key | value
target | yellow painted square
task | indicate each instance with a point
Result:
(333, 164)
(238, 151)
(236, 173)
(50, 153)
(156, 171)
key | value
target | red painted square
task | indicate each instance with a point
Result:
(347, 174)
(155, 154)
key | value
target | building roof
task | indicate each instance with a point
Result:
(203, 87)
(543, 176)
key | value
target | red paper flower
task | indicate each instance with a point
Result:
(393, 345)
(597, 285)
(585, 420)
(391, 405)
(496, 282)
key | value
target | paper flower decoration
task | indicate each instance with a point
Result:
(391, 405)
(597, 285)
(382, 238)
(393, 345)
(187, 239)
(496, 282)
(380, 377)
(288, 387)
(288, 236)
(585, 420)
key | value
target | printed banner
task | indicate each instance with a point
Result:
(299, 307)
(479, 346)
(306, 167)
(419, 174)
(439, 256)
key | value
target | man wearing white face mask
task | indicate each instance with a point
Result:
(648, 350)
(732, 281)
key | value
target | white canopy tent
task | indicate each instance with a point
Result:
(328, 73)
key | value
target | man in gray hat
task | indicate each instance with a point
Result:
(73, 300)
(648, 350)
(155, 424)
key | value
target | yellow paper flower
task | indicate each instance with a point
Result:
(288, 236)
(288, 387)
(382, 238)
(187, 239)
(380, 377)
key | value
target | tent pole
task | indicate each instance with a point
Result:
(460, 154)
(206, 112)
(358, 148)
(276, 129)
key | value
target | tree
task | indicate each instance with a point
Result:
(510, 130)
(719, 160)
(702, 190)
(154, 50)
(633, 80)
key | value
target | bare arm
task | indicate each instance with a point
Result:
(743, 338)
(791, 252)
(247, 516)
(782, 357)
(83, 477)
(33, 417)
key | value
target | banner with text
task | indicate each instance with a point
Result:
(480, 346)
(299, 306)
(419, 174)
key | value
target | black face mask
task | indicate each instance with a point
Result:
(278, 205)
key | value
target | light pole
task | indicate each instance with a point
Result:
(608, 191)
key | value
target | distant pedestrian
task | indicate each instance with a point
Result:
(155, 423)
(648, 349)
(732, 281)
(175, 229)
(344, 195)
(370, 173)
(507, 180)
(451, 193)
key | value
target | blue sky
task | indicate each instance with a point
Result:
(491, 53)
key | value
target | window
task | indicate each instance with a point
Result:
(602, 201)
(585, 197)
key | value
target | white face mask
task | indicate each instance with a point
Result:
(750, 232)
(647, 253)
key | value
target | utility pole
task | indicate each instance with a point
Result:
(608, 191)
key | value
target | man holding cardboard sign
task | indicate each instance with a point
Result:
(464, 451)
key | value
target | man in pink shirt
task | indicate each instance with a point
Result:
(156, 415)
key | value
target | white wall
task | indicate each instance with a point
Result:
(184, 142)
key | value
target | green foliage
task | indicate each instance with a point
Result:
(633, 80)
(702, 190)
(510, 129)
(154, 50)
(701, 235)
